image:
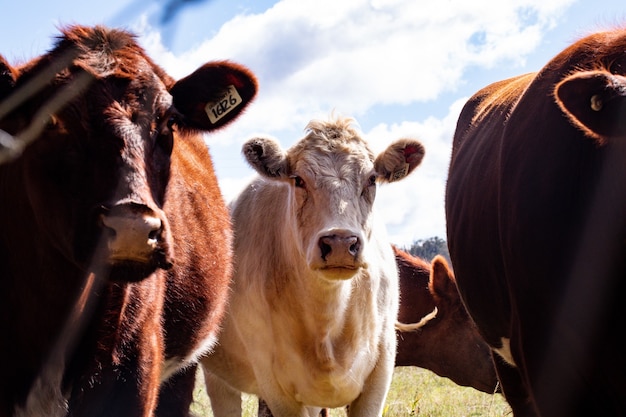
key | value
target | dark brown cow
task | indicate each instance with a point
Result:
(115, 241)
(536, 212)
(448, 344)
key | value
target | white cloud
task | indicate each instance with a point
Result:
(365, 53)
(317, 55)
(414, 207)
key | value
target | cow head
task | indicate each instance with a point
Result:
(449, 343)
(463, 356)
(591, 85)
(106, 121)
(332, 175)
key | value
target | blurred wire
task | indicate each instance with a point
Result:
(11, 146)
(173, 7)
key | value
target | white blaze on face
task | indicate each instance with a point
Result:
(342, 206)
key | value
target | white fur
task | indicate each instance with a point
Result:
(176, 363)
(297, 335)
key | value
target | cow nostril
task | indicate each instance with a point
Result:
(154, 235)
(104, 223)
(325, 247)
(334, 245)
(355, 247)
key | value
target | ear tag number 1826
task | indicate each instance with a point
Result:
(224, 105)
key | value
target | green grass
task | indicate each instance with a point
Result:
(414, 392)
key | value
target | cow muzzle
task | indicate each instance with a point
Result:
(338, 254)
(136, 238)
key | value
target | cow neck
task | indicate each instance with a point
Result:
(323, 306)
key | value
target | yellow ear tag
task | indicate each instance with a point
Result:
(399, 173)
(230, 99)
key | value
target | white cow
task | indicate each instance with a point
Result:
(315, 292)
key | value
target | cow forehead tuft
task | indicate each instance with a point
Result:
(106, 52)
(332, 137)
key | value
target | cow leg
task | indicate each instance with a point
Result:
(372, 398)
(264, 410)
(282, 408)
(129, 389)
(176, 394)
(117, 392)
(121, 377)
(225, 400)
(316, 411)
(513, 388)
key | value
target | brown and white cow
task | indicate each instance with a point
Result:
(315, 293)
(448, 343)
(115, 255)
(536, 212)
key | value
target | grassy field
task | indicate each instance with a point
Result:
(414, 392)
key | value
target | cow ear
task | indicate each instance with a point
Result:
(214, 95)
(399, 159)
(442, 283)
(267, 157)
(595, 102)
(7, 85)
(8, 77)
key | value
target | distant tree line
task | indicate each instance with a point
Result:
(427, 249)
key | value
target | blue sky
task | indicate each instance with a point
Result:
(400, 67)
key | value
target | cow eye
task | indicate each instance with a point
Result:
(370, 187)
(298, 181)
(173, 120)
(165, 138)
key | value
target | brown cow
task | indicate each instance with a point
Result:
(536, 212)
(115, 246)
(448, 344)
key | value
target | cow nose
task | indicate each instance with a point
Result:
(339, 246)
(133, 233)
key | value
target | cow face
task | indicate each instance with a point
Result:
(98, 173)
(332, 176)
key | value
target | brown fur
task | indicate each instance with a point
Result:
(92, 317)
(449, 344)
(535, 211)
